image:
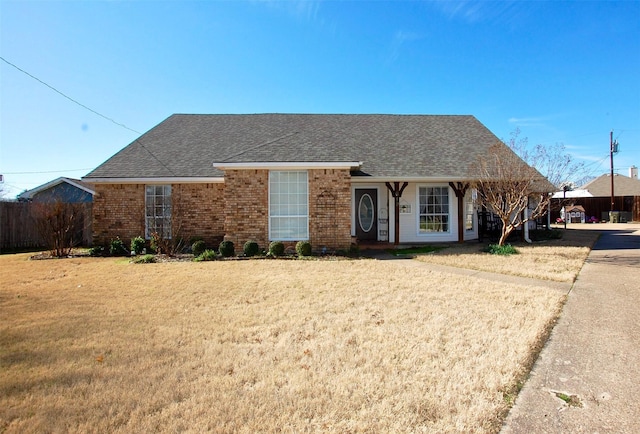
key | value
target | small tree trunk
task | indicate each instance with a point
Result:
(506, 231)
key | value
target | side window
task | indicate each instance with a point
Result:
(469, 211)
(158, 210)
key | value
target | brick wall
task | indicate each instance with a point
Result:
(237, 209)
(246, 207)
(330, 208)
(198, 211)
(118, 211)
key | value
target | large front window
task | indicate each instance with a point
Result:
(158, 211)
(434, 209)
(288, 205)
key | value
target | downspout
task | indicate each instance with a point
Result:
(526, 223)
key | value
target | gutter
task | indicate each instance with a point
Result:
(526, 224)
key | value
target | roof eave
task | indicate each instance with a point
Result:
(362, 179)
(156, 180)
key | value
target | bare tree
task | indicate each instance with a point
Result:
(60, 225)
(516, 182)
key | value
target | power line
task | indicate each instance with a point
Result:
(68, 97)
(87, 108)
(154, 156)
(92, 111)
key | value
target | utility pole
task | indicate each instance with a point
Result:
(613, 148)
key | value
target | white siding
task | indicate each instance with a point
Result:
(409, 222)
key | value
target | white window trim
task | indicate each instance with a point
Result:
(450, 202)
(147, 229)
(304, 238)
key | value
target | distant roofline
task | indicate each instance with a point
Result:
(75, 182)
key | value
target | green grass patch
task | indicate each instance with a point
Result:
(207, 255)
(418, 250)
(144, 259)
(504, 250)
(571, 400)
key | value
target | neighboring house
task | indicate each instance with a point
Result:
(19, 228)
(329, 179)
(62, 189)
(595, 197)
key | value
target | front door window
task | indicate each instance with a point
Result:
(366, 213)
(366, 220)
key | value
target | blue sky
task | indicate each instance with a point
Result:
(562, 72)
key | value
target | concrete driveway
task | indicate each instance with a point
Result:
(587, 378)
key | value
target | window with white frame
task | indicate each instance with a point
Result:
(158, 211)
(469, 211)
(434, 209)
(288, 205)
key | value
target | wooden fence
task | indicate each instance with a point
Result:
(18, 229)
(599, 207)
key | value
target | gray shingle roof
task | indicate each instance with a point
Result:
(622, 186)
(411, 146)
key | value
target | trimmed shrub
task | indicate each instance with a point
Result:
(505, 250)
(303, 248)
(250, 248)
(137, 245)
(194, 239)
(227, 249)
(117, 248)
(276, 248)
(207, 255)
(96, 251)
(198, 247)
(144, 259)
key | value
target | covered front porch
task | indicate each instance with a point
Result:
(412, 212)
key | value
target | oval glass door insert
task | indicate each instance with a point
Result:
(365, 213)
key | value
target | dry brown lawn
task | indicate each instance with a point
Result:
(102, 345)
(557, 260)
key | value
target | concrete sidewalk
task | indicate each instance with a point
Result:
(587, 378)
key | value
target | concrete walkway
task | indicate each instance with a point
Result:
(587, 378)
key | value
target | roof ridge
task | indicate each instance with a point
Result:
(325, 114)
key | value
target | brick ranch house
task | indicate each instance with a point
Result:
(329, 179)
